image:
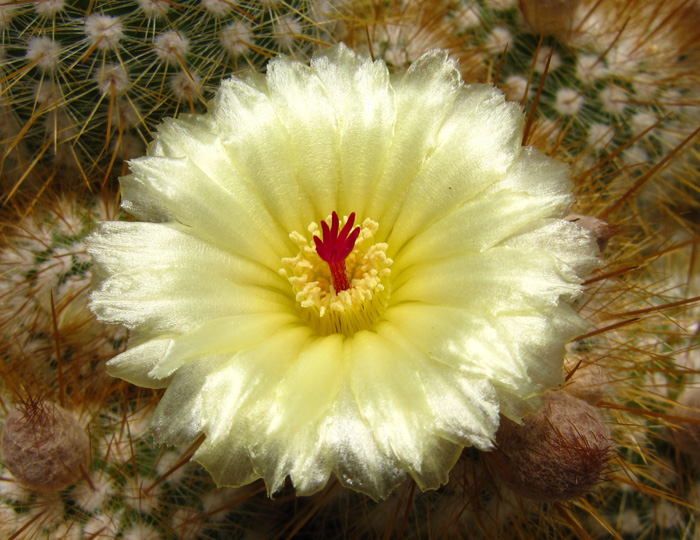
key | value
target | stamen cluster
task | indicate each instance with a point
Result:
(341, 282)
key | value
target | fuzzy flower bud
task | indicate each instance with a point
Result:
(44, 446)
(557, 454)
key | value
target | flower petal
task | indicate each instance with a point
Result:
(510, 206)
(260, 147)
(391, 398)
(532, 167)
(424, 96)
(466, 409)
(302, 105)
(180, 416)
(296, 414)
(310, 386)
(477, 144)
(467, 342)
(160, 278)
(134, 364)
(190, 136)
(499, 280)
(477, 226)
(220, 336)
(539, 339)
(207, 209)
(359, 462)
(363, 99)
(241, 383)
(574, 248)
(464, 405)
(519, 354)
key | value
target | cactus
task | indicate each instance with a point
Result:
(84, 84)
(43, 286)
(616, 69)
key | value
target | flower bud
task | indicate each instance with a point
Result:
(588, 382)
(557, 454)
(44, 446)
(602, 230)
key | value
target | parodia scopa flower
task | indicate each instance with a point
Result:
(344, 271)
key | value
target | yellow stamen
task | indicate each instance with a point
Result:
(347, 311)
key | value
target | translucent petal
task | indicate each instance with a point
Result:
(360, 92)
(220, 336)
(301, 103)
(574, 248)
(291, 416)
(228, 466)
(209, 164)
(464, 405)
(310, 386)
(386, 383)
(191, 136)
(390, 397)
(540, 338)
(513, 406)
(477, 144)
(160, 278)
(439, 458)
(167, 183)
(134, 364)
(519, 354)
(469, 343)
(260, 147)
(499, 280)
(466, 409)
(231, 396)
(359, 462)
(478, 225)
(180, 416)
(511, 205)
(529, 171)
(143, 202)
(424, 96)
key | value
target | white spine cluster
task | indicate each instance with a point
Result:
(7, 12)
(103, 31)
(49, 8)
(45, 52)
(568, 101)
(154, 8)
(186, 85)
(236, 38)
(171, 47)
(286, 30)
(112, 78)
(217, 7)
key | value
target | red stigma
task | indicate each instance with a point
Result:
(335, 247)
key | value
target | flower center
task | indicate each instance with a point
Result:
(341, 279)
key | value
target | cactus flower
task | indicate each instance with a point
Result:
(340, 271)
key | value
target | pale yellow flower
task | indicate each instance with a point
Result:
(456, 302)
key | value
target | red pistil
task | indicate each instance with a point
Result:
(335, 247)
